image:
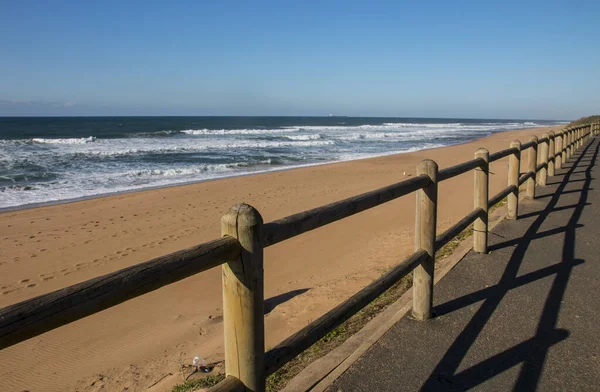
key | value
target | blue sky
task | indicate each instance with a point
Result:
(513, 59)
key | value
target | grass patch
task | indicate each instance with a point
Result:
(584, 121)
(199, 383)
(447, 249)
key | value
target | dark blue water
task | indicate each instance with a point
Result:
(60, 158)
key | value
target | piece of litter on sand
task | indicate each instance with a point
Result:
(201, 365)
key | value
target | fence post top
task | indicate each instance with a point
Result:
(427, 164)
(551, 133)
(243, 215)
(533, 139)
(482, 152)
(515, 143)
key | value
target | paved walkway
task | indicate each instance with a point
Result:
(525, 317)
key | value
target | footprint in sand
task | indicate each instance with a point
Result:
(31, 285)
(24, 280)
(48, 278)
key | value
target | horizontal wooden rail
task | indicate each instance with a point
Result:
(41, 314)
(501, 195)
(503, 153)
(293, 225)
(455, 230)
(461, 168)
(307, 336)
(525, 177)
(528, 145)
(541, 166)
(230, 384)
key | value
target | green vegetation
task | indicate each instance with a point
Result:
(584, 121)
(199, 383)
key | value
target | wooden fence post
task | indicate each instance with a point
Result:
(531, 167)
(551, 155)
(544, 159)
(481, 193)
(587, 132)
(243, 299)
(514, 166)
(565, 146)
(559, 151)
(425, 225)
(569, 143)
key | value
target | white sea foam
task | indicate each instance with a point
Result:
(83, 140)
(194, 170)
(197, 132)
(304, 137)
(132, 146)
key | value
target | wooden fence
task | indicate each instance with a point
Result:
(240, 251)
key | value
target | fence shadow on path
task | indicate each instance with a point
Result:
(531, 353)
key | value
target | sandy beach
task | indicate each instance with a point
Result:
(138, 343)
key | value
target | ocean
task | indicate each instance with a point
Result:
(62, 158)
